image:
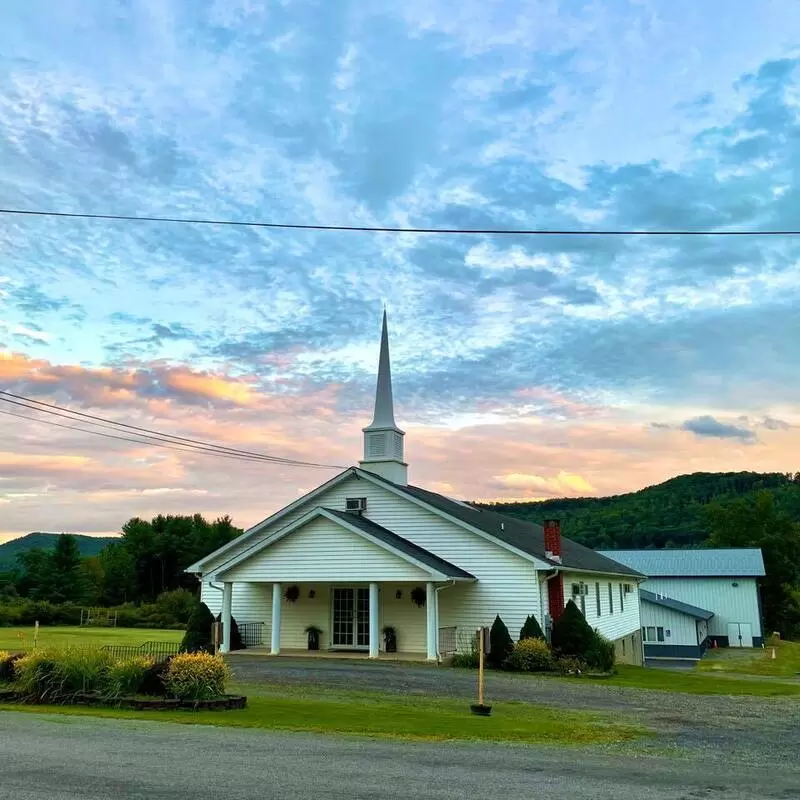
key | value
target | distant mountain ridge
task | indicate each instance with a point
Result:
(88, 545)
(669, 514)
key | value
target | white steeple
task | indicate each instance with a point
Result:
(383, 440)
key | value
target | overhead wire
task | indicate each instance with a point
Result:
(147, 435)
(396, 229)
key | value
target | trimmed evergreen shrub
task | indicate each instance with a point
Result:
(571, 634)
(237, 642)
(531, 629)
(198, 631)
(601, 654)
(531, 655)
(500, 643)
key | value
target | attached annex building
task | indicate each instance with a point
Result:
(367, 550)
(695, 598)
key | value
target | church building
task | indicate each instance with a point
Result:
(367, 551)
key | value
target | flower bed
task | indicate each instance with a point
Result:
(194, 681)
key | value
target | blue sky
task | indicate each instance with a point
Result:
(524, 367)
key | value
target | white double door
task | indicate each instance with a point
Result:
(350, 623)
(740, 634)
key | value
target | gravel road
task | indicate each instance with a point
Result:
(750, 730)
(46, 757)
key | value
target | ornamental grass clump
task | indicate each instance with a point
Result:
(57, 676)
(126, 677)
(196, 676)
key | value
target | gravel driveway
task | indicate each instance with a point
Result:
(748, 729)
(62, 758)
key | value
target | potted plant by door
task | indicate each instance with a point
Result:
(390, 639)
(313, 637)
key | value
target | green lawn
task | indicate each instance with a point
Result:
(786, 663)
(21, 638)
(416, 718)
(693, 682)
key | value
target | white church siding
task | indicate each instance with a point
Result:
(507, 583)
(324, 551)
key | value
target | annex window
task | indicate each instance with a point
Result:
(621, 598)
(597, 597)
(610, 598)
(653, 634)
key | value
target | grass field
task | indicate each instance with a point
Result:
(693, 682)
(414, 718)
(18, 639)
(786, 663)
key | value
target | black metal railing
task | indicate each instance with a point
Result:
(252, 633)
(447, 641)
(156, 650)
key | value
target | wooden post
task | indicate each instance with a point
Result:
(35, 634)
(480, 667)
(216, 635)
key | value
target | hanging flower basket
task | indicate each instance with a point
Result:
(292, 593)
(418, 596)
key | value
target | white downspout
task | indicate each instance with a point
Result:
(438, 618)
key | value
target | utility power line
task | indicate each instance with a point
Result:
(145, 435)
(391, 229)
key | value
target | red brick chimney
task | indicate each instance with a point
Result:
(552, 539)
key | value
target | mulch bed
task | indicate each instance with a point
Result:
(225, 703)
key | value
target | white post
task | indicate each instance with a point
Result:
(374, 635)
(432, 616)
(227, 602)
(275, 649)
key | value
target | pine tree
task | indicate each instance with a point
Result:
(531, 629)
(571, 634)
(500, 643)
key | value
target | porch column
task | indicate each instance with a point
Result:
(432, 615)
(275, 643)
(227, 602)
(374, 634)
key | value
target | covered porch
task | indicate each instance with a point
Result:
(346, 577)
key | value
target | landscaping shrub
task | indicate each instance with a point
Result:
(152, 682)
(531, 629)
(126, 677)
(6, 666)
(569, 665)
(500, 643)
(236, 637)
(196, 676)
(469, 658)
(56, 676)
(601, 654)
(198, 631)
(531, 655)
(571, 634)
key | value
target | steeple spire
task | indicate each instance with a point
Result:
(384, 404)
(383, 440)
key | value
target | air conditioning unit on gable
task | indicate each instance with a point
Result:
(355, 504)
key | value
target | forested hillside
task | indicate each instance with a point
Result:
(670, 514)
(87, 546)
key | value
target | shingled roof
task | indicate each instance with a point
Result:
(525, 536)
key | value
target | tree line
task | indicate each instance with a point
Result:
(148, 560)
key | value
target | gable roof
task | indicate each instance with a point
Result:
(378, 535)
(706, 563)
(519, 534)
(402, 545)
(675, 605)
